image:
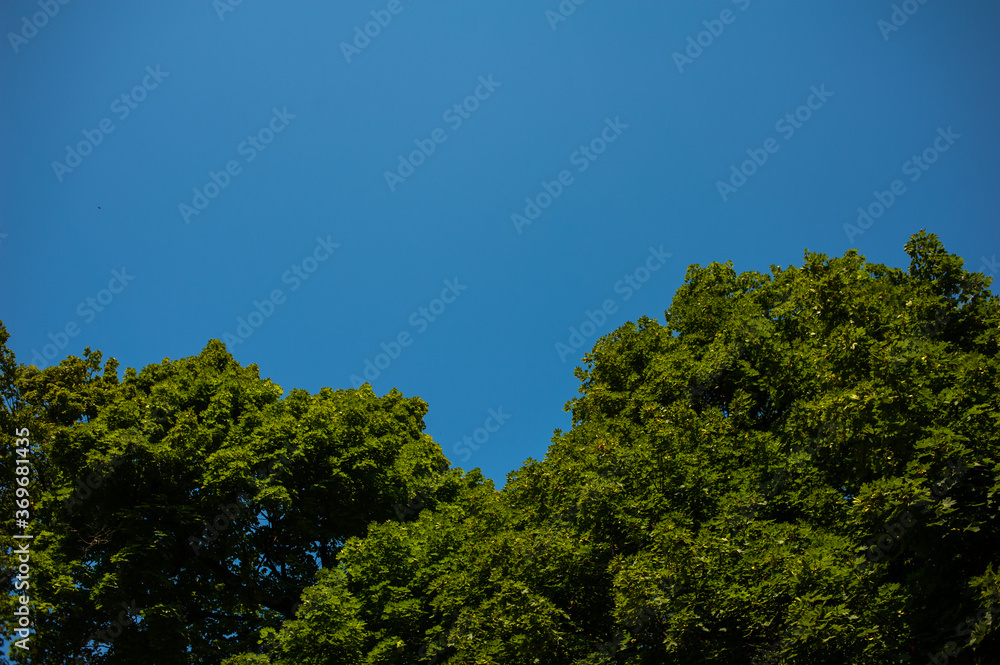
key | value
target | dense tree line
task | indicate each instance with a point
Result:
(793, 467)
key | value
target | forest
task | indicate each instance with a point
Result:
(798, 466)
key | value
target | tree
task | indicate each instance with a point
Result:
(795, 467)
(196, 497)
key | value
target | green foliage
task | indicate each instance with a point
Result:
(794, 467)
(195, 491)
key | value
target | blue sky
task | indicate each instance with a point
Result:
(619, 120)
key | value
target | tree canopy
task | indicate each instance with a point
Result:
(793, 467)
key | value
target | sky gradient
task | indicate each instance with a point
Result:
(462, 200)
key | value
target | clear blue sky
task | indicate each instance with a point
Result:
(267, 90)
